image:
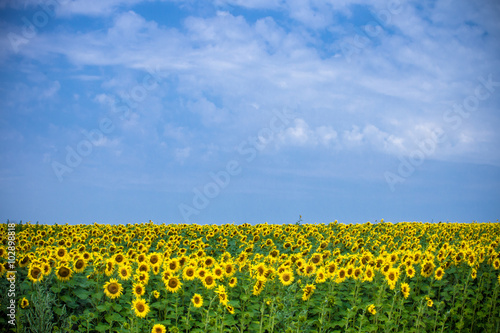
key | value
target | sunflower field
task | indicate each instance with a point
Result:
(372, 277)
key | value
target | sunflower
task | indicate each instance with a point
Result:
(321, 275)
(124, 272)
(350, 271)
(357, 273)
(230, 309)
(430, 303)
(473, 274)
(24, 303)
(189, 273)
(201, 273)
(140, 307)
(310, 269)
(258, 287)
(79, 265)
(286, 278)
(158, 328)
(141, 258)
(143, 267)
(308, 291)
(331, 268)
(113, 289)
(209, 261)
(233, 281)
(197, 301)
(61, 253)
(392, 277)
(138, 290)
(372, 309)
(35, 273)
(119, 258)
(208, 281)
(496, 264)
(341, 275)
(410, 272)
(439, 273)
(142, 277)
(368, 274)
(156, 294)
(218, 272)
(154, 259)
(173, 284)
(46, 269)
(110, 267)
(221, 291)
(63, 273)
(405, 289)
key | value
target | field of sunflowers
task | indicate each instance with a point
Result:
(372, 277)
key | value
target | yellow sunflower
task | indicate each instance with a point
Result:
(208, 281)
(410, 272)
(438, 275)
(35, 273)
(189, 273)
(308, 291)
(173, 284)
(286, 278)
(138, 289)
(124, 272)
(113, 289)
(61, 253)
(368, 274)
(140, 307)
(230, 309)
(24, 303)
(63, 273)
(79, 265)
(221, 291)
(372, 309)
(405, 289)
(321, 275)
(233, 281)
(197, 300)
(158, 328)
(258, 287)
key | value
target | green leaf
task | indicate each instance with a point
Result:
(102, 308)
(102, 327)
(82, 294)
(117, 307)
(55, 289)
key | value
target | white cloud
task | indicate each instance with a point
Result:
(221, 64)
(301, 134)
(181, 154)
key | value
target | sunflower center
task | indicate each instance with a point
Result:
(79, 264)
(35, 272)
(63, 272)
(172, 283)
(140, 307)
(113, 288)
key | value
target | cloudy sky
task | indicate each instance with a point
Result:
(125, 111)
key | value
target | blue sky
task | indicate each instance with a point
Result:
(125, 111)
